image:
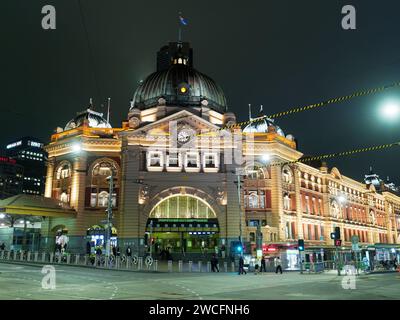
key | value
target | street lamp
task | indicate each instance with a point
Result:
(2, 215)
(266, 157)
(76, 147)
(390, 110)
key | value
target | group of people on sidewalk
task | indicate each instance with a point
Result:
(262, 267)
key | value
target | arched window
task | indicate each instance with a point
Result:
(62, 182)
(372, 217)
(287, 174)
(63, 171)
(182, 207)
(255, 172)
(99, 187)
(335, 209)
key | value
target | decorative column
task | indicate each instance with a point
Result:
(49, 177)
(299, 210)
(277, 201)
(78, 183)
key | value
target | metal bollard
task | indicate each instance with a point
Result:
(169, 266)
(233, 267)
(226, 266)
(85, 260)
(127, 263)
(28, 257)
(15, 255)
(68, 258)
(208, 266)
(180, 265)
(77, 256)
(21, 256)
(140, 263)
(43, 256)
(36, 255)
(8, 255)
(190, 266)
(155, 266)
(199, 264)
(51, 257)
(2, 255)
(117, 263)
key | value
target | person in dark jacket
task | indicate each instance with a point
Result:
(214, 263)
(128, 252)
(88, 248)
(263, 267)
(114, 251)
(241, 266)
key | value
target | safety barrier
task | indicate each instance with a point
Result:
(132, 263)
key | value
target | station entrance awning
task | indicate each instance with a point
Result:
(31, 205)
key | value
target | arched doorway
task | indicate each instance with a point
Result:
(182, 223)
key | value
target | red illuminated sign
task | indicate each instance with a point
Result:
(8, 160)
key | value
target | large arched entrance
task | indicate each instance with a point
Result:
(182, 223)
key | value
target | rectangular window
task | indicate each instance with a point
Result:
(155, 159)
(210, 160)
(192, 160)
(253, 199)
(262, 199)
(173, 160)
(93, 200)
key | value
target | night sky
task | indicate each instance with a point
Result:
(281, 54)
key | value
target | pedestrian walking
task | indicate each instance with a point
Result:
(241, 266)
(278, 265)
(128, 252)
(2, 247)
(263, 267)
(214, 263)
(114, 251)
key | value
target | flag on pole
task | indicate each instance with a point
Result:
(182, 20)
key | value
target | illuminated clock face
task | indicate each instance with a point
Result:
(184, 136)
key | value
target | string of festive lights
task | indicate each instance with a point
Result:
(311, 106)
(339, 154)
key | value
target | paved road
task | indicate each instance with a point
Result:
(24, 282)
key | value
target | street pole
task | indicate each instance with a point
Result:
(109, 215)
(240, 212)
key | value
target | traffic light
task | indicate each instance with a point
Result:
(301, 245)
(239, 248)
(337, 232)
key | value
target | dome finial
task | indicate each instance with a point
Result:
(250, 118)
(91, 103)
(261, 108)
(108, 110)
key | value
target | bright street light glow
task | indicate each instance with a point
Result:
(21, 221)
(391, 110)
(342, 199)
(2, 215)
(76, 147)
(266, 157)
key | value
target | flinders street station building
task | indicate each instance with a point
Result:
(187, 176)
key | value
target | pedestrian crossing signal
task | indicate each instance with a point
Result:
(338, 242)
(301, 245)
